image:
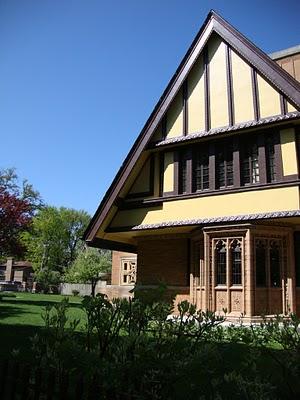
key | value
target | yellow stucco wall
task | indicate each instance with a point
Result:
(242, 90)
(142, 182)
(196, 103)
(218, 83)
(175, 117)
(290, 108)
(269, 99)
(257, 201)
(288, 151)
(168, 184)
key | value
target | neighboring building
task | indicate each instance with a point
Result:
(208, 196)
(17, 271)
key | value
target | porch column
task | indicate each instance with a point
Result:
(9, 269)
(248, 283)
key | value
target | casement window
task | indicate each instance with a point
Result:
(228, 257)
(224, 165)
(200, 171)
(268, 259)
(249, 163)
(128, 271)
(270, 158)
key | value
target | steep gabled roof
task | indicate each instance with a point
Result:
(279, 78)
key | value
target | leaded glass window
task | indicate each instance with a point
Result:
(270, 158)
(201, 170)
(224, 165)
(249, 164)
(274, 254)
(220, 255)
(236, 262)
(183, 174)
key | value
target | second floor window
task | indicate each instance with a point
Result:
(200, 170)
(249, 165)
(224, 165)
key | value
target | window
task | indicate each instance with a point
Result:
(249, 164)
(268, 262)
(270, 158)
(274, 264)
(183, 173)
(297, 256)
(221, 262)
(128, 271)
(224, 165)
(200, 170)
(260, 256)
(236, 262)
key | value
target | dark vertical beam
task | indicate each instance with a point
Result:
(255, 95)
(283, 104)
(297, 138)
(161, 174)
(262, 159)
(229, 86)
(236, 163)
(206, 89)
(189, 170)
(164, 127)
(185, 107)
(278, 157)
(188, 262)
(152, 173)
(212, 166)
(176, 171)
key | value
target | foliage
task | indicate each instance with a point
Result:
(137, 351)
(54, 239)
(18, 203)
(47, 280)
(88, 267)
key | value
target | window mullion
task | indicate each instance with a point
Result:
(262, 159)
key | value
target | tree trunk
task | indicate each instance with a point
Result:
(93, 288)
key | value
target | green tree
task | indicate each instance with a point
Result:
(88, 267)
(54, 238)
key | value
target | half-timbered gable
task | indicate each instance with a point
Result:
(208, 197)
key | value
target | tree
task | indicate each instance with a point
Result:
(88, 267)
(54, 238)
(18, 204)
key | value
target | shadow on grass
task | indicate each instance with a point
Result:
(10, 311)
(43, 303)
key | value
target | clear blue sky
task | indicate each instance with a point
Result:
(79, 78)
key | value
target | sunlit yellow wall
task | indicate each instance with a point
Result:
(290, 108)
(269, 99)
(288, 150)
(175, 117)
(168, 184)
(242, 90)
(259, 201)
(142, 183)
(196, 107)
(218, 83)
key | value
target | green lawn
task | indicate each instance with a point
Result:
(21, 318)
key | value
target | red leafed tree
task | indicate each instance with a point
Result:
(18, 204)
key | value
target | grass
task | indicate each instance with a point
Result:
(21, 318)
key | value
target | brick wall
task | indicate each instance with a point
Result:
(163, 260)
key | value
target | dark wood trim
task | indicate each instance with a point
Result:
(283, 104)
(185, 108)
(149, 192)
(212, 166)
(189, 170)
(206, 89)
(188, 269)
(236, 162)
(112, 245)
(255, 95)
(297, 139)
(164, 127)
(130, 205)
(217, 192)
(262, 159)
(273, 72)
(289, 178)
(161, 173)
(278, 156)
(229, 86)
(176, 172)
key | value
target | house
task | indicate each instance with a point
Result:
(16, 271)
(208, 196)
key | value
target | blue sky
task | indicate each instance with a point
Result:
(79, 78)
